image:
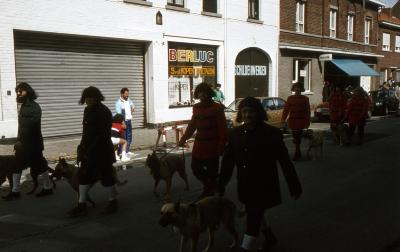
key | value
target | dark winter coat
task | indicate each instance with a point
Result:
(337, 106)
(297, 107)
(96, 147)
(357, 110)
(256, 153)
(209, 121)
(29, 126)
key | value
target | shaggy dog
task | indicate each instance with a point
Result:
(164, 169)
(315, 144)
(70, 173)
(8, 166)
(192, 219)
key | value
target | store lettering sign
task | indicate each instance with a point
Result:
(184, 55)
(192, 71)
(250, 70)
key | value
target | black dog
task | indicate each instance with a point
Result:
(8, 166)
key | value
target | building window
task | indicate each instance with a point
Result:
(397, 44)
(385, 42)
(350, 27)
(179, 3)
(302, 73)
(332, 23)
(367, 31)
(253, 9)
(210, 6)
(300, 6)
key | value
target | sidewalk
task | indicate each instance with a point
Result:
(143, 141)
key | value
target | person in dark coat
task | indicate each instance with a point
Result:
(209, 121)
(337, 107)
(297, 108)
(255, 148)
(95, 152)
(29, 147)
(357, 113)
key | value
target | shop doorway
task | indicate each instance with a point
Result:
(251, 73)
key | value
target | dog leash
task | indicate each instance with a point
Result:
(174, 148)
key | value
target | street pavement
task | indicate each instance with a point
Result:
(350, 203)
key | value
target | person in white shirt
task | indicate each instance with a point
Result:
(125, 107)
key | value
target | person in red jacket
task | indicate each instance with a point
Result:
(357, 113)
(297, 107)
(337, 108)
(209, 120)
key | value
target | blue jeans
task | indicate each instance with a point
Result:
(128, 134)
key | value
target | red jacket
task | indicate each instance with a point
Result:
(357, 110)
(337, 106)
(297, 107)
(210, 122)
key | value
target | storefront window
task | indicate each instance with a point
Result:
(302, 73)
(188, 66)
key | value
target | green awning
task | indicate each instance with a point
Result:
(354, 67)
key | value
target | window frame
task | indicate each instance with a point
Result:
(367, 30)
(173, 3)
(332, 25)
(254, 13)
(385, 47)
(397, 43)
(300, 23)
(350, 27)
(296, 73)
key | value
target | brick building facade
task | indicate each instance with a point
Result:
(335, 29)
(389, 45)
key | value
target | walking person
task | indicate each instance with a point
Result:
(209, 120)
(357, 113)
(255, 148)
(95, 152)
(29, 147)
(297, 108)
(337, 108)
(218, 96)
(125, 107)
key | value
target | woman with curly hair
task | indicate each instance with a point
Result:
(209, 120)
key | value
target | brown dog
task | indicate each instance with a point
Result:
(192, 219)
(315, 144)
(70, 172)
(164, 169)
(8, 166)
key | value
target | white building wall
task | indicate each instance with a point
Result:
(115, 19)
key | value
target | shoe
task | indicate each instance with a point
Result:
(78, 211)
(117, 158)
(44, 192)
(124, 159)
(12, 196)
(130, 154)
(111, 208)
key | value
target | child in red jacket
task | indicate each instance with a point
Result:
(117, 131)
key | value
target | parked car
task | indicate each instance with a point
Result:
(272, 105)
(382, 104)
(321, 112)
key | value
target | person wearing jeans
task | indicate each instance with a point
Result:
(125, 107)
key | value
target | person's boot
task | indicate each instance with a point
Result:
(12, 196)
(78, 211)
(44, 192)
(111, 208)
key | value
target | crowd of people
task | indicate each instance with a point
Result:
(254, 147)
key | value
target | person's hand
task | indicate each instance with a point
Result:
(18, 146)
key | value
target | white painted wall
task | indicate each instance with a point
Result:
(114, 19)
